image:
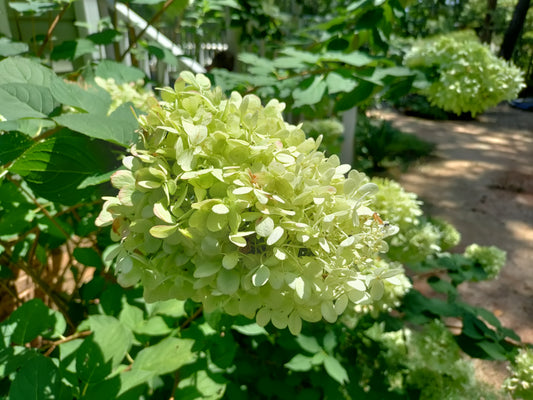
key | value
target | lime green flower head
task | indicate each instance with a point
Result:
(225, 203)
(520, 383)
(491, 258)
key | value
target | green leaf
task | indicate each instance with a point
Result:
(112, 336)
(121, 73)
(362, 91)
(312, 94)
(72, 49)
(87, 256)
(14, 107)
(105, 389)
(13, 358)
(32, 319)
(308, 343)
(494, 350)
(162, 53)
(107, 36)
(94, 100)
(91, 365)
(95, 180)
(441, 285)
(356, 58)
(300, 363)
(162, 358)
(29, 126)
(337, 83)
(250, 329)
(131, 316)
(23, 70)
(170, 308)
(55, 167)
(154, 326)
(335, 370)
(119, 127)
(201, 385)
(9, 48)
(12, 145)
(166, 356)
(222, 350)
(304, 56)
(39, 379)
(34, 7)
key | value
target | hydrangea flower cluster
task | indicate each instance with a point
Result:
(225, 203)
(520, 383)
(418, 238)
(429, 361)
(332, 131)
(465, 76)
(491, 258)
(133, 92)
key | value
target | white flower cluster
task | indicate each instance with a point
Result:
(225, 203)
(520, 383)
(133, 92)
(418, 238)
(491, 258)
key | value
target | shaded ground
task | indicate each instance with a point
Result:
(481, 181)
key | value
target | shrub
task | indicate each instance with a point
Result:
(464, 76)
(378, 145)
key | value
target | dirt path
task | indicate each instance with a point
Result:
(481, 181)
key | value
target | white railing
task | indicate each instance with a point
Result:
(153, 66)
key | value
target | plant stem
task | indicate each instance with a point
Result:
(192, 318)
(154, 19)
(51, 28)
(76, 335)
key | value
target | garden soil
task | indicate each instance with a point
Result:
(481, 181)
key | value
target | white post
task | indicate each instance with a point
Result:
(349, 121)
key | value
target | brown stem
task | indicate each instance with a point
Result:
(47, 134)
(192, 318)
(175, 385)
(51, 28)
(74, 336)
(136, 38)
(12, 292)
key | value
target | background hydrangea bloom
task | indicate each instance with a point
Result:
(225, 203)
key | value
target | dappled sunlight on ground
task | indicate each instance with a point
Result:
(481, 180)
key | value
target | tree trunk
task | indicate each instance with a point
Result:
(515, 28)
(486, 31)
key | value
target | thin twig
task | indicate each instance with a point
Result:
(192, 318)
(136, 38)
(74, 336)
(51, 28)
(47, 134)
(175, 385)
(12, 292)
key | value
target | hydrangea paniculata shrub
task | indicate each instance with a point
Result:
(418, 238)
(225, 203)
(464, 75)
